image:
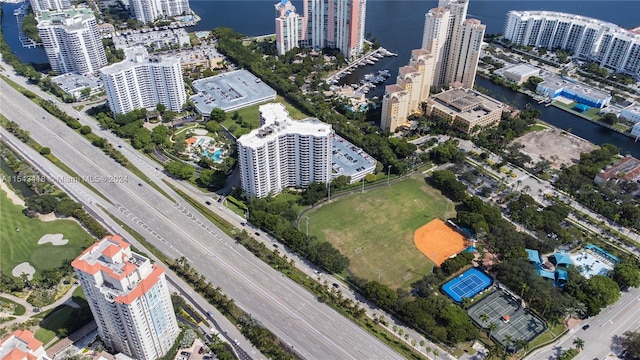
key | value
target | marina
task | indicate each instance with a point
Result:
(369, 59)
(20, 13)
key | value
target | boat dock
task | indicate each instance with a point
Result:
(368, 59)
(20, 13)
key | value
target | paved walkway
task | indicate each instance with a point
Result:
(66, 299)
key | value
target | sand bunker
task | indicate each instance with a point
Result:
(437, 241)
(54, 239)
(24, 268)
(15, 199)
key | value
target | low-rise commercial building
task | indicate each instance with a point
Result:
(466, 109)
(631, 113)
(627, 169)
(78, 86)
(554, 86)
(518, 73)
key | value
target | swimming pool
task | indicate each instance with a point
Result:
(216, 155)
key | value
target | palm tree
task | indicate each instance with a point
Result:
(508, 341)
(581, 309)
(484, 318)
(492, 327)
(466, 302)
(579, 343)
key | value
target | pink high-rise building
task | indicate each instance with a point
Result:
(323, 23)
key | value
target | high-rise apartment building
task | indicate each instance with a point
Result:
(449, 56)
(454, 42)
(21, 345)
(72, 41)
(611, 46)
(39, 6)
(324, 23)
(147, 11)
(129, 298)
(143, 81)
(410, 91)
(284, 153)
(289, 26)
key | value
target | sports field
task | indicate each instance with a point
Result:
(375, 229)
(438, 241)
(512, 321)
(21, 246)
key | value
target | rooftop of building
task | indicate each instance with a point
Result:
(393, 88)
(137, 56)
(65, 17)
(627, 169)
(348, 159)
(126, 275)
(556, 83)
(277, 122)
(419, 52)
(466, 103)
(520, 69)
(405, 70)
(19, 345)
(230, 91)
(71, 83)
(573, 17)
(633, 108)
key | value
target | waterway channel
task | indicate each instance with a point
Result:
(583, 128)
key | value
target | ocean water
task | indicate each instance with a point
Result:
(398, 25)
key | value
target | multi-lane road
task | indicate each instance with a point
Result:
(601, 338)
(294, 315)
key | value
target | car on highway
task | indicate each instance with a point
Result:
(317, 272)
(335, 285)
(586, 327)
(243, 224)
(257, 233)
(208, 202)
(275, 246)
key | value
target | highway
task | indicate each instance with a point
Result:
(294, 315)
(600, 339)
(154, 172)
(228, 332)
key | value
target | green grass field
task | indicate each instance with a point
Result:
(375, 229)
(54, 321)
(19, 246)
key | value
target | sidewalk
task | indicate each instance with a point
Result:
(65, 299)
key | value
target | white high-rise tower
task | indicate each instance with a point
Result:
(129, 298)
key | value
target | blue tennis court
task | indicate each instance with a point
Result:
(467, 285)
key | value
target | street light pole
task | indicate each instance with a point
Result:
(388, 174)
